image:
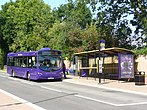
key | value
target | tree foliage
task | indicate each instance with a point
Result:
(31, 24)
(76, 12)
(90, 38)
(139, 10)
(26, 21)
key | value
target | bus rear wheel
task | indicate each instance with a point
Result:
(28, 76)
(13, 74)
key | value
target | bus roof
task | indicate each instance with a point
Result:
(31, 53)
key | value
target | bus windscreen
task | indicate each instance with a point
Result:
(49, 60)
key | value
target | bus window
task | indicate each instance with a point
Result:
(16, 61)
(20, 62)
(32, 62)
(29, 61)
(24, 62)
(10, 61)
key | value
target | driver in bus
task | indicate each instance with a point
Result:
(46, 62)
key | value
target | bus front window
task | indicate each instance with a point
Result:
(50, 62)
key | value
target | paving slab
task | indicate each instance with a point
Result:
(8, 102)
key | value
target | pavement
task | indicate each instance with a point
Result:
(10, 102)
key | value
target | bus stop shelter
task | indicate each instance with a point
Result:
(111, 62)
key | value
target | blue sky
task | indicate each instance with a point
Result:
(52, 3)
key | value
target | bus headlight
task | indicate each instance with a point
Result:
(61, 73)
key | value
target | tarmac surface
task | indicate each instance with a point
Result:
(11, 102)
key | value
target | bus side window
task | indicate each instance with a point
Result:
(34, 62)
(10, 61)
(29, 62)
(16, 61)
(24, 62)
(21, 62)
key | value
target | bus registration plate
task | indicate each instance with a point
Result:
(51, 78)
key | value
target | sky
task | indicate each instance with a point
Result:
(52, 3)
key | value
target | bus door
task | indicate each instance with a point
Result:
(24, 66)
(32, 66)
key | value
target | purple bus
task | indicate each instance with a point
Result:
(35, 65)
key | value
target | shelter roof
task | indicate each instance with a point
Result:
(109, 51)
(116, 50)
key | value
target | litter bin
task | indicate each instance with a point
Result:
(140, 78)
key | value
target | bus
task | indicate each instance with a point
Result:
(36, 65)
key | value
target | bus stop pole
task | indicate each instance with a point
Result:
(99, 63)
(101, 46)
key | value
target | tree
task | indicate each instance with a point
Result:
(66, 37)
(114, 13)
(57, 35)
(139, 9)
(76, 12)
(90, 38)
(26, 20)
(72, 20)
(3, 43)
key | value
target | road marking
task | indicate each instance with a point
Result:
(56, 90)
(3, 76)
(26, 82)
(138, 103)
(22, 100)
(89, 98)
(20, 80)
(96, 100)
(108, 103)
(15, 79)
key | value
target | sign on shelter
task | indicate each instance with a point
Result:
(126, 65)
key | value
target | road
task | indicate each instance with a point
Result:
(57, 95)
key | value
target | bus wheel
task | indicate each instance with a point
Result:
(28, 76)
(13, 74)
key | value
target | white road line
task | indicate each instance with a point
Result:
(129, 104)
(23, 81)
(89, 98)
(96, 100)
(15, 79)
(22, 100)
(56, 90)
(26, 82)
(108, 103)
(3, 76)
